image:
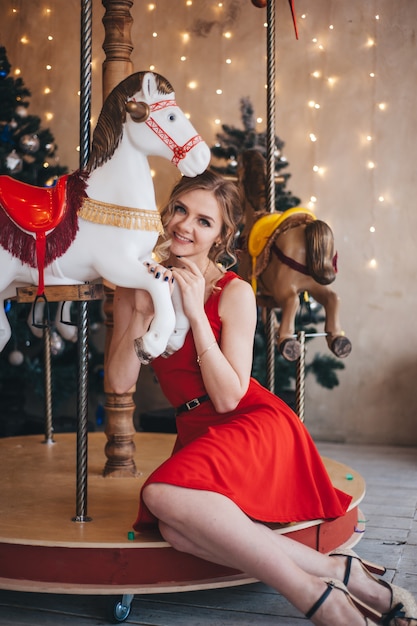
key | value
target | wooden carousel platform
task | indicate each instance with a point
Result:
(42, 549)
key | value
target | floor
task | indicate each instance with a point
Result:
(390, 510)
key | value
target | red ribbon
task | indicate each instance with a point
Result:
(294, 19)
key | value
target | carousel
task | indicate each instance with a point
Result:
(67, 505)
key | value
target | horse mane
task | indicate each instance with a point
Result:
(109, 129)
(320, 252)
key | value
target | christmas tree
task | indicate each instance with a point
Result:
(27, 151)
(233, 141)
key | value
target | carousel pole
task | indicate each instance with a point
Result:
(49, 430)
(82, 395)
(270, 170)
(300, 381)
(117, 44)
(120, 447)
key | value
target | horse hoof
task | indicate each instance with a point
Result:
(167, 353)
(144, 357)
(340, 346)
(290, 349)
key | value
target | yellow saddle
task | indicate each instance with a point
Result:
(263, 229)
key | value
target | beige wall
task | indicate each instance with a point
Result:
(376, 401)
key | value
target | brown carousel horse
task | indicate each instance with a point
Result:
(286, 254)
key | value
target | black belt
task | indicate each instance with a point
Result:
(191, 404)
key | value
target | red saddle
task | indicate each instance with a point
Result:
(37, 210)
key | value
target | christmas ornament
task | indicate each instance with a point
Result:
(51, 181)
(16, 358)
(57, 344)
(6, 134)
(29, 143)
(14, 162)
(21, 111)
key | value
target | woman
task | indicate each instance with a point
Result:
(242, 457)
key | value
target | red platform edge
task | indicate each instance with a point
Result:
(137, 566)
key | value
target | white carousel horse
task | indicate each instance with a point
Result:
(104, 223)
(286, 254)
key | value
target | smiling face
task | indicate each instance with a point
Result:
(195, 224)
(203, 213)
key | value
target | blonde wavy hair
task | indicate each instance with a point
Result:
(227, 196)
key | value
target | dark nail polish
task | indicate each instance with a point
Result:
(166, 278)
(157, 275)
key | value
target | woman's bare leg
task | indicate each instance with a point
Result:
(210, 526)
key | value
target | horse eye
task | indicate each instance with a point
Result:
(172, 117)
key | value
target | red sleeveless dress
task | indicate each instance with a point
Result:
(260, 455)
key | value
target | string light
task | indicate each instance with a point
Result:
(319, 48)
(319, 80)
(371, 44)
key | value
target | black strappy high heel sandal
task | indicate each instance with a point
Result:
(364, 610)
(371, 568)
(403, 605)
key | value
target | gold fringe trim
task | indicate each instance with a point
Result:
(121, 216)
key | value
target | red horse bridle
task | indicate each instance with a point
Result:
(179, 152)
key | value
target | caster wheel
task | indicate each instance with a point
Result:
(121, 612)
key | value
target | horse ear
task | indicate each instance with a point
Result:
(149, 86)
(139, 111)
